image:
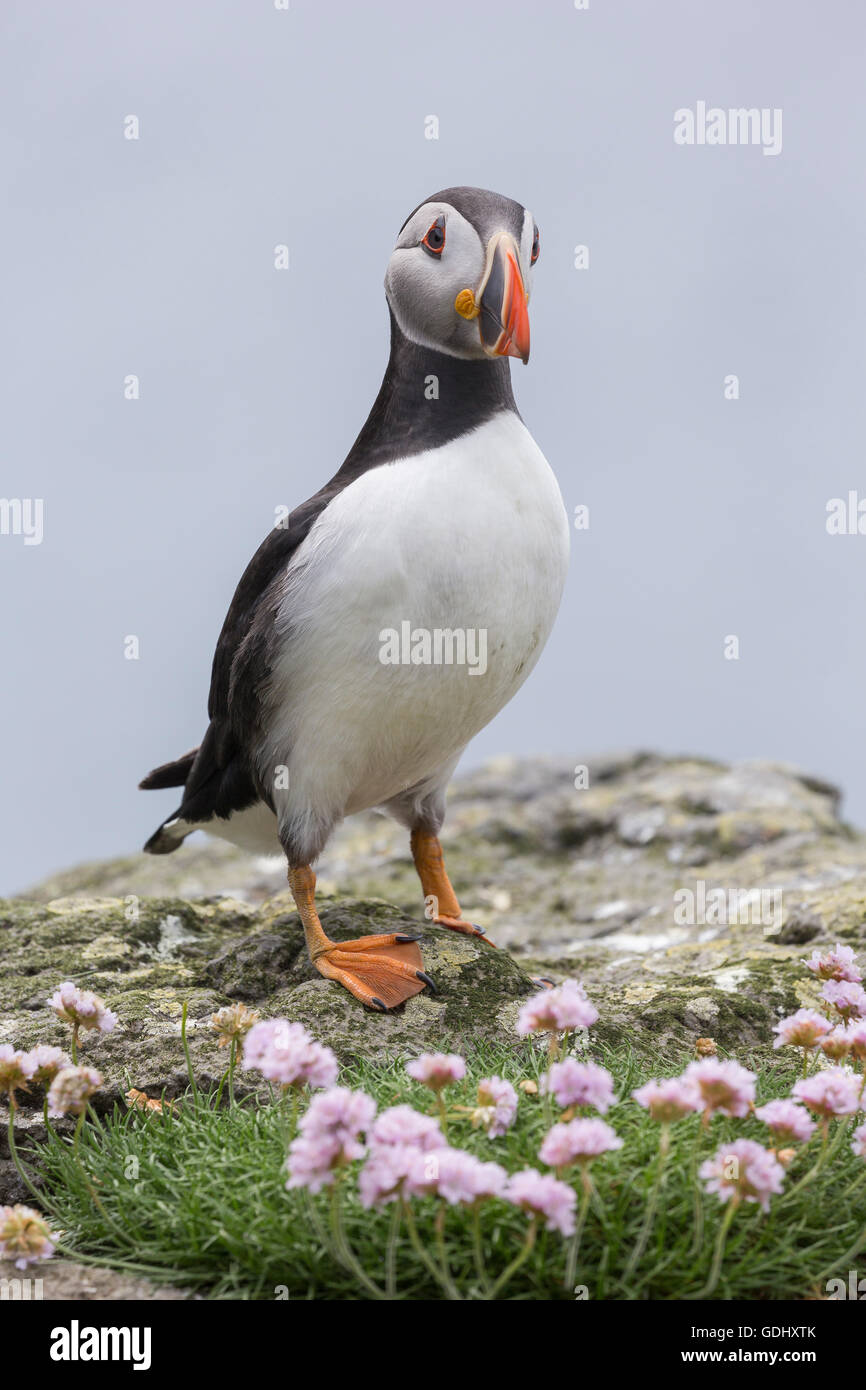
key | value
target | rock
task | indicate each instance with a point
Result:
(64, 1281)
(617, 883)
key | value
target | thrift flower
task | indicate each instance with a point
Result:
(16, 1069)
(705, 1047)
(544, 1196)
(497, 1106)
(847, 997)
(82, 1008)
(557, 1010)
(48, 1062)
(836, 1045)
(384, 1176)
(829, 1093)
(579, 1083)
(403, 1126)
(71, 1089)
(458, 1177)
(787, 1121)
(855, 1038)
(837, 964)
(805, 1028)
(329, 1137)
(233, 1023)
(24, 1236)
(723, 1086)
(579, 1141)
(858, 1145)
(286, 1054)
(668, 1100)
(745, 1171)
(437, 1069)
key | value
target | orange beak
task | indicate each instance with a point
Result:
(504, 318)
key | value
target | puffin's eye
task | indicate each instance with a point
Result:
(536, 247)
(434, 241)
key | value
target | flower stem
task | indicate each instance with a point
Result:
(478, 1251)
(718, 1253)
(574, 1243)
(520, 1258)
(423, 1255)
(447, 1282)
(649, 1214)
(344, 1251)
(391, 1253)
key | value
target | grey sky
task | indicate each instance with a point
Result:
(259, 127)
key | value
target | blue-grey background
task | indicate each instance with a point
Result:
(261, 127)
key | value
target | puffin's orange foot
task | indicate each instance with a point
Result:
(467, 928)
(381, 971)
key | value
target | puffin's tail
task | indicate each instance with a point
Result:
(169, 774)
(172, 833)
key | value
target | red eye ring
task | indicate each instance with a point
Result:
(434, 241)
(536, 247)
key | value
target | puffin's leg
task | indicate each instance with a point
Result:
(436, 885)
(381, 971)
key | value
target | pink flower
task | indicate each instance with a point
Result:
(329, 1136)
(403, 1126)
(579, 1083)
(836, 1045)
(855, 1038)
(383, 1177)
(71, 1089)
(545, 1196)
(496, 1107)
(744, 1170)
(787, 1121)
(286, 1054)
(723, 1086)
(81, 1007)
(803, 1029)
(16, 1069)
(837, 964)
(668, 1100)
(24, 1236)
(437, 1069)
(579, 1141)
(48, 1061)
(831, 1092)
(848, 998)
(557, 1010)
(458, 1177)
(858, 1146)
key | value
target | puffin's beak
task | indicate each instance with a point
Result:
(504, 318)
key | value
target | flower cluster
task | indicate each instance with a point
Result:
(558, 1010)
(24, 1236)
(287, 1055)
(82, 1008)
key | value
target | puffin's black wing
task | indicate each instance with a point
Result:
(220, 778)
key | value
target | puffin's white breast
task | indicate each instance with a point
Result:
(472, 536)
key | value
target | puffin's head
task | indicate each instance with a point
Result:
(460, 275)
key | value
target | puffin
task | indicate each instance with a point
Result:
(385, 621)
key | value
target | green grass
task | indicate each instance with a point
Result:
(198, 1198)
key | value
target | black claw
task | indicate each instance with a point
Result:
(544, 980)
(377, 1004)
(480, 930)
(431, 984)
(404, 937)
